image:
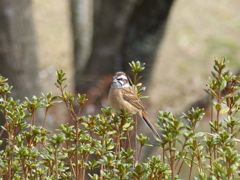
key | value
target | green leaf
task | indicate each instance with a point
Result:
(218, 106)
(214, 74)
(224, 110)
(223, 85)
(199, 134)
(126, 125)
(63, 156)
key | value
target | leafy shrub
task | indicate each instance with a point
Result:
(33, 152)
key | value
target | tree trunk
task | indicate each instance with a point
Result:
(123, 31)
(82, 18)
(18, 57)
(144, 33)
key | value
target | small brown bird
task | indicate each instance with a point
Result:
(123, 96)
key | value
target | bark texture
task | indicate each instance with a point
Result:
(122, 31)
(18, 56)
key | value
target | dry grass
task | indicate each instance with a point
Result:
(197, 32)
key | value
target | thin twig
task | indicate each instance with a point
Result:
(135, 138)
(45, 118)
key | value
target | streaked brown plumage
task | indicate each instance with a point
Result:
(123, 96)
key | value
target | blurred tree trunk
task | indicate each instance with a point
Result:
(109, 34)
(18, 57)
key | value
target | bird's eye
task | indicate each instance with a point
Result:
(119, 79)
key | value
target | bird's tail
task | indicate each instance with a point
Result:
(146, 120)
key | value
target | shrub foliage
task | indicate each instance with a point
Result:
(100, 147)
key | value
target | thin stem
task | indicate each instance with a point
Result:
(172, 159)
(71, 113)
(118, 144)
(181, 165)
(135, 138)
(198, 151)
(24, 175)
(163, 155)
(45, 118)
(101, 165)
(101, 168)
(71, 167)
(84, 158)
(218, 111)
(183, 156)
(32, 119)
(219, 100)
(56, 162)
(79, 110)
(210, 161)
(135, 125)
(76, 155)
(139, 154)
(211, 111)
(191, 167)
(11, 155)
(129, 139)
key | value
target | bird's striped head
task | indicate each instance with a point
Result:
(120, 80)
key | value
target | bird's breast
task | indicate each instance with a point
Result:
(118, 103)
(115, 99)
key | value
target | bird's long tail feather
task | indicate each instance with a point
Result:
(146, 120)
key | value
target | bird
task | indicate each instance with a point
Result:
(122, 96)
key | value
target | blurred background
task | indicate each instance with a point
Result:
(90, 40)
(196, 33)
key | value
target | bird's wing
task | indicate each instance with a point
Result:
(130, 95)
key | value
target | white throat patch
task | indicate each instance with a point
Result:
(126, 85)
